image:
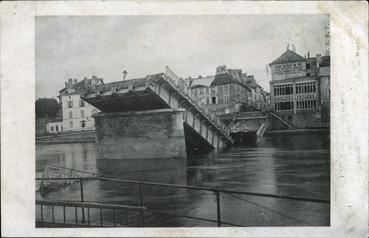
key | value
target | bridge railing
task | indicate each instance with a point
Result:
(142, 206)
(180, 85)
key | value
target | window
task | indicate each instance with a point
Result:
(61, 128)
(307, 66)
(284, 89)
(70, 115)
(94, 111)
(56, 128)
(280, 106)
(82, 113)
(83, 124)
(71, 124)
(226, 89)
(52, 128)
(308, 87)
(70, 104)
(226, 98)
(305, 104)
(213, 100)
(207, 90)
(82, 103)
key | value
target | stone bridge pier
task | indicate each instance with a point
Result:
(141, 134)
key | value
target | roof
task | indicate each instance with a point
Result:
(288, 56)
(204, 82)
(250, 77)
(81, 85)
(224, 78)
(326, 61)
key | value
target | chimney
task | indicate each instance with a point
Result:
(70, 82)
(75, 80)
(308, 54)
(86, 81)
(318, 58)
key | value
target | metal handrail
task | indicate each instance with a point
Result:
(199, 104)
(197, 188)
(216, 191)
(86, 205)
(89, 205)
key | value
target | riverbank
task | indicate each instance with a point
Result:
(67, 138)
(298, 131)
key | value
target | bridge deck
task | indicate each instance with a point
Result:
(153, 92)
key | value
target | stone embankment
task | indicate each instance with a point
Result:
(70, 137)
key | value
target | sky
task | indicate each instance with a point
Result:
(105, 46)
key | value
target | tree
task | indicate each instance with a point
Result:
(46, 107)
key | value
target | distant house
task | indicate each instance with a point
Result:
(228, 91)
(54, 126)
(76, 113)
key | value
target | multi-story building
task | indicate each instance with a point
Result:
(228, 91)
(77, 113)
(297, 87)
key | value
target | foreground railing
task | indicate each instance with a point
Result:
(88, 205)
(216, 191)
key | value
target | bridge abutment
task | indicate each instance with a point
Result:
(141, 134)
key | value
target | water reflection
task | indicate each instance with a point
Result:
(295, 165)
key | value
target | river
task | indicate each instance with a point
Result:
(289, 164)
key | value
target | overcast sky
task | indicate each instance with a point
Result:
(75, 47)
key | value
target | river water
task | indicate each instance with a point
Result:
(294, 165)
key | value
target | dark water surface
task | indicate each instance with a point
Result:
(294, 165)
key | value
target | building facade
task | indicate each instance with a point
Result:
(297, 87)
(55, 127)
(76, 113)
(229, 91)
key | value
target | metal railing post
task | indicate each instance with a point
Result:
(82, 200)
(42, 213)
(142, 204)
(218, 208)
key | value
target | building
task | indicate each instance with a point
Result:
(300, 89)
(229, 91)
(54, 126)
(77, 113)
(325, 88)
(258, 96)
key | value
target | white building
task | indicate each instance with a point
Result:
(54, 127)
(77, 113)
